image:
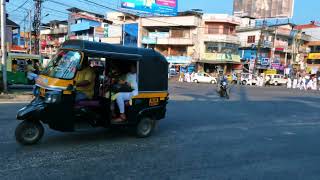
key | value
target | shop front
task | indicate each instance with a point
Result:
(210, 62)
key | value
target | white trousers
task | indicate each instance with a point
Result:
(121, 98)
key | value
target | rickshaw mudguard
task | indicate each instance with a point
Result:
(31, 111)
(156, 112)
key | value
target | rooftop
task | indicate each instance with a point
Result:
(311, 25)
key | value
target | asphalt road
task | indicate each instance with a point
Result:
(260, 133)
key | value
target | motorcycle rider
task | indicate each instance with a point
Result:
(221, 79)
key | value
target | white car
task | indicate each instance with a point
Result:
(203, 78)
(277, 79)
(246, 80)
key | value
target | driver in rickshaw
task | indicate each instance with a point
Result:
(85, 81)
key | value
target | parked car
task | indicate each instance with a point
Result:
(172, 72)
(203, 78)
(278, 79)
(246, 80)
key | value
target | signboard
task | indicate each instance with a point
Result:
(270, 71)
(261, 9)
(131, 34)
(314, 56)
(179, 59)
(264, 61)
(155, 7)
(221, 57)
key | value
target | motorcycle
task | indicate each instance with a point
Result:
(224, 89)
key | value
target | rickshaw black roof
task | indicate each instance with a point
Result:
(129, 53)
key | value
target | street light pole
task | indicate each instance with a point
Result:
(3, 45)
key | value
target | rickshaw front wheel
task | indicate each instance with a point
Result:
(145, 127)
(29, 132)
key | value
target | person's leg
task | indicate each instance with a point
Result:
(120, 101)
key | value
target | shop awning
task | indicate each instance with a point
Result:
(218, 62)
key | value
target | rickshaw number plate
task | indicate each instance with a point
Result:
(154, 101)
(42, 92)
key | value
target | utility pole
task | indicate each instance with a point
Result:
(3, 45)
(30, 31)
(37, 24)
(261, 41)
(123, 29)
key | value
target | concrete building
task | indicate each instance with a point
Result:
(54, 34)
(175, 37)
(123, 30)
(218, 43)
(313, 47)
(86, 25)
(274, 47)
(13, 36)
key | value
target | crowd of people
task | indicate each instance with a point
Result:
(304, 83)
(300, 81)
(186, 76)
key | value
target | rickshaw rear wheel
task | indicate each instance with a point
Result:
(29, 132)
(145, 127)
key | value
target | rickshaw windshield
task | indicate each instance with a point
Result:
(64, 65)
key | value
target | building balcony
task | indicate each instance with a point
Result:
(63, 30)
(254, 45)
(167, 41)
(83, 26)
(216, 58)
(189, 21)
(221, 38)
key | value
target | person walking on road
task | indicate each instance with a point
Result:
(181, 77)
(289, 83)
(268, 79)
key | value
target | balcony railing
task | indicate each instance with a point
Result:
(167, 41)
(221, 38)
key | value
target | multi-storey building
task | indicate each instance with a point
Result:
(218, 43)
(275, 46)
(175, 37)
(52, 36)
(124, 29)
(312, 61)
(86, 25)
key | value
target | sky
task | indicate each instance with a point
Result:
(304, 10)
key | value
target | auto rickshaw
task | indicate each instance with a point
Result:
(17, 67)
(55, 90)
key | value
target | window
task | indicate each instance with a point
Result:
(228, 29)
(213, 29)
(212, 47)
(176, 33)
(64, 65)
(251, 39)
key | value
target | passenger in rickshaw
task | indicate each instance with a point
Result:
(85, 81)
(14, 66)
(121, 97)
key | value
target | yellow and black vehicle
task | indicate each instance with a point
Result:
(56, 90)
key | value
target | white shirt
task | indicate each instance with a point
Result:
(132, 80)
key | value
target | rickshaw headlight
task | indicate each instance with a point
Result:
(52, 97)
